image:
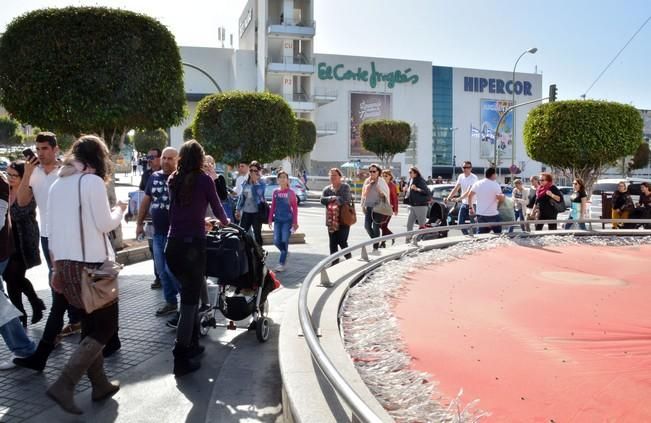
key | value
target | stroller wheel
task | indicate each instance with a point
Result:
(205, 323)
(262, 329)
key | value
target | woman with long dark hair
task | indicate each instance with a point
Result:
(83, 177)
(374, 190)
(249, 202)
(26, 255)
(191, 191)
(578, 204)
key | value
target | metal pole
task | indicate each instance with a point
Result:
(195, 67)
(513, 131)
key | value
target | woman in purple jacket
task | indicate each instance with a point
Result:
(191, 191)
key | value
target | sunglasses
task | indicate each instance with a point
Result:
(372, 171)
(13, 175)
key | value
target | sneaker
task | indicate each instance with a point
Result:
(166, 309)
(280, 268)
(173, 322)
(70, 329)
(156, 284)
(8, 364)
(204, 308)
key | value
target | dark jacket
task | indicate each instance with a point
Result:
(546, 206)
(342, 195)
(26, 234)
(622, 200)
(418, 198)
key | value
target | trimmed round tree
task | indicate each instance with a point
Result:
(305, 140)
(385, 138)
(91, 69)
(243, 126)
(582, 137)
(143, 141)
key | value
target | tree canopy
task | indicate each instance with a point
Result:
(385, 138)
(243, 126)
(10, 133)
(91, 70)
(582, 137)
(144, 141)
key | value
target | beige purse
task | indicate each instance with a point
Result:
(99, 286)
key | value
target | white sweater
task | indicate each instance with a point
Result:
(62, 219)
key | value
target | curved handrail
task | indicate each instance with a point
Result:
(360, 409)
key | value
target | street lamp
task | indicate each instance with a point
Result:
(532, 51)
(454, 157)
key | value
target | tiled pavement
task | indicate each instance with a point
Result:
(22, 392)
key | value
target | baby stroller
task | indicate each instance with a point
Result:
(244, 282)
(436, 216)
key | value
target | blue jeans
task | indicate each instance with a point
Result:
(167, 279)
(464, 214)
(489, 219)
(74, 315)
(13, 333)
(282, 232)
(570, 224)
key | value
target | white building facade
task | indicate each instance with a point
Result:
(452, 111)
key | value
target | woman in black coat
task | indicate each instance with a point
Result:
(547, 194)
(26, 248)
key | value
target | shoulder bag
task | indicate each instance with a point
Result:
(347, 214)
(99, 286)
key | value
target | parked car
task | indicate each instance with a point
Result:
(4, 164)
(295, 184)
(439, 194)
(609, 186)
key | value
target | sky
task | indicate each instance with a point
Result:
(576, 39)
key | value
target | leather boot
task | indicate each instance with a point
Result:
(63, 390)
(37, 360)
(102, 387)
(183, 363)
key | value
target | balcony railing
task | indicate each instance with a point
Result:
(291, 64)
(325, 129)
(322, 95)
(301, 29)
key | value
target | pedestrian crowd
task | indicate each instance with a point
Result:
(182, 198)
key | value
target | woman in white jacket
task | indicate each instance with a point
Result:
(84, 174)
(374, 191)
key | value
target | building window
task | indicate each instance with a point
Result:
(441, 116)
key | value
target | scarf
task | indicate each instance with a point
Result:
(542, 189)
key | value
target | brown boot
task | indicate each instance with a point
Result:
(63, 390)
(102, 387)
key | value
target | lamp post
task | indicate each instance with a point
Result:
(532, 51)
(454, 157)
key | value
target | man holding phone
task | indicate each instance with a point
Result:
(41, 170)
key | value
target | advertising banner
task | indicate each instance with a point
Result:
(491, 111)
(364, 106)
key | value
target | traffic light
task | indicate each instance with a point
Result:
(552, 93)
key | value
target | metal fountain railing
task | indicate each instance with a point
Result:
(361, 411)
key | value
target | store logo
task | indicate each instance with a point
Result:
(496, 86)
(338, 73)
